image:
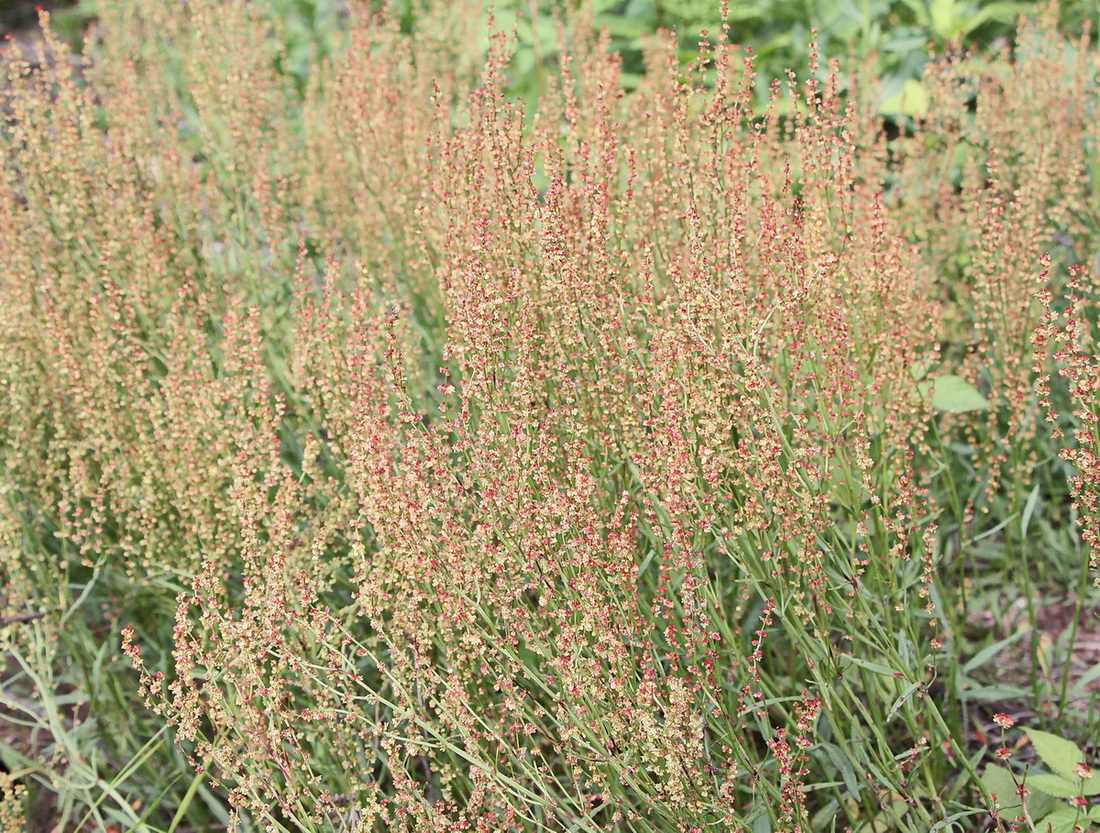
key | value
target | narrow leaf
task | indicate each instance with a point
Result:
(840, 761)
(1029, 509)
(848, 659)
(986, 654)
(905, 695)
(950, 820)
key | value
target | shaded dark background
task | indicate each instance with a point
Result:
(16, 15)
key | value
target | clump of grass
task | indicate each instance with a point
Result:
(620, 465)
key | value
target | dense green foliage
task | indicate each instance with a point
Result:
(410, 427)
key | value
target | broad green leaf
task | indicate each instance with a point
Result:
(1059, 754)
(626, 28)
(998, 781)
(911, 101)
(920, 368)
(1063, 820)
(1039, 804)
(1002, 12)
(955, 395)
(903, 43)
(1053, 785)
(944, 18)
(920, 12)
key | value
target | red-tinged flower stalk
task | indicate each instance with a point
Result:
(1068, 338)
(489, 469)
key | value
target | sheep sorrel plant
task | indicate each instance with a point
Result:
(662, 461)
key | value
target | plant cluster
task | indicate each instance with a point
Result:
(636, 461)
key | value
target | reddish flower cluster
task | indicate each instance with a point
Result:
(565, 469)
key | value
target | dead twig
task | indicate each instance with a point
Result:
(22, 617)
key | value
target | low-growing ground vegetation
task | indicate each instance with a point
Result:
(386, 447)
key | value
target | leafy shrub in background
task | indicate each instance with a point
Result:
(639, 461)
(1072, 779)
(893, 35)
